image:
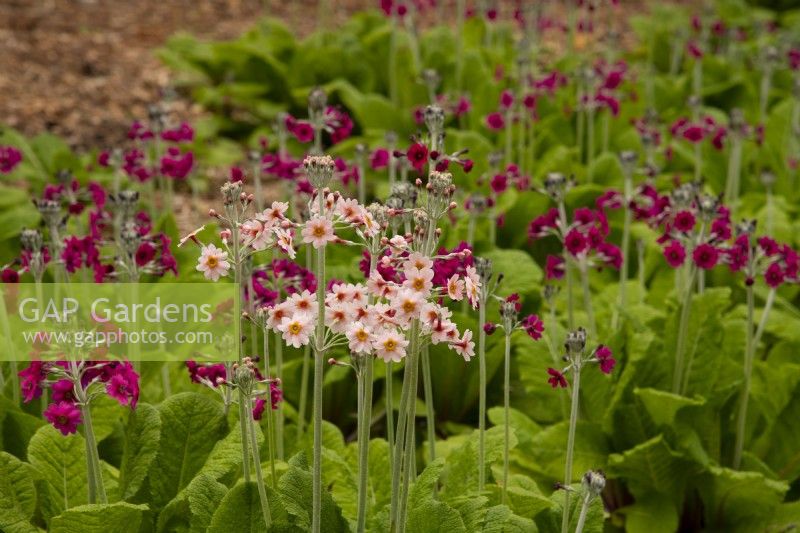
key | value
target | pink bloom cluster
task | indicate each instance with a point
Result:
(696, 132)
(119, 380)
(10, 157)
(584, 239)
(777, 263)
(336, 122)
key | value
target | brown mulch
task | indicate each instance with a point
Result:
(84, 69)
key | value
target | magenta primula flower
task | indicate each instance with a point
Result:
(183, 133)
(177, 165)
(533, 326)
(675, 254)
(10, 157)
(556, 379)
(605, 359)
(65, 417)
(705, 256)
(554, 267)
(417, 155)
(495, 121)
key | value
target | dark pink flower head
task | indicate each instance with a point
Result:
(610, 199)
(339, 123)
(514, 299)
(177, 165)
(258, 408)
(794, 58)
(139, 131)
(610, 254)
(489, 328)
(236, 175)
(506, 99)
(9, 275)
(31, 380)
(462, 107)
(499, 183)
(65, 417)
(214, 373)
(417, 154)
(556, 379)
(774, 275)
(737, 255)
(495, 121)
(554, 267)
(379, 159)
(684, 221)
(63, 391)
(769, 246)
(302, 130)
(694, 133)
(275, 395)
(183, 133)
(540, 225)
(694, 50)
(791, 259)
(606, 359)
(10, 157)
(675, 254)
(533, 326)
(575, 242)
(705, 256)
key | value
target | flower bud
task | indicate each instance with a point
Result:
(317, 100)
(319, 170)
(594, 481)
(483, 267)
(440, 183)
(231, 192)
(434, 119)
(555, 185)
(576, 341)
(489, 328)
(31, 240)
(767, 179)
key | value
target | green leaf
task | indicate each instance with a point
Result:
(61, 462)
(500, 519)
(651, 514)
(295, 488)
(141, 446)
(192, 424)
(664, 406)
(240, 510)
(120, 517)
(433, 516)
(461, 469)
(17, 495)
(16, 428)
(204, 495)
(520, 272)
(739, 501)
(652, 467)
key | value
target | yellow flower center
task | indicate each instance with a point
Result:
(362, 335)
(212, 261)
(390, 345)
(295, 328)
(319, 231)
(418, 284)
(409, 306)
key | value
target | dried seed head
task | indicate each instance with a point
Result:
(508, 310)
(708, 205)
(483, 267)
(746, 227)
(319, 170)
(767, 179)
(441, 184)
(549, 292)
(231, 192)
(130, 238)
(317, 100)
(434, 119)
(406, 193)
(576, 341)
(555, 185)
(31, 240)
(594, 481)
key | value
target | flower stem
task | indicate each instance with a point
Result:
(301, 415)
(734, 171)
(319, 361)
(763, 322)
(97, 492)
(482, 392)
(429, 412)
(270, 428)
(399, 438)
(506, 412)
(623, 269)
(243, 414)
(390, 408)
(698, 161)
(509, 137)
(409, 448)
(589, 143)
(741, 420)
(587, 297)
(587, 500)
(562, 213)
(262, 490)
(364, 422)
(279, 418)
(683, 329)
(573, 422)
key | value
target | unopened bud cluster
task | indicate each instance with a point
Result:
(319, 170)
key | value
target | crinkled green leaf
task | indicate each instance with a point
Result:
(240, 510)
(120, 517)
(17, 495)
(142, 437)
(295, 488)
(61, 462)
(191, 425)
(739, 501)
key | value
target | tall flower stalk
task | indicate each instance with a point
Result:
(592, 483)
(576, 358)
(533, 326)
(628, 160)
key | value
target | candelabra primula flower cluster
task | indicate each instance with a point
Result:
(74, 384)
(777, 263)
(214, 376)
(10, 157)
(379, 328)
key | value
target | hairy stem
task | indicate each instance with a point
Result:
(506, 411)
(763, 322)
(587, 500)
(262, 490)
(270, 427)
(573, 422)
(482, 394)
(429, 411)
(741, 419)
(364, 422)
(683, 329)
(319, 362)
(587, 297)
(97, 491)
